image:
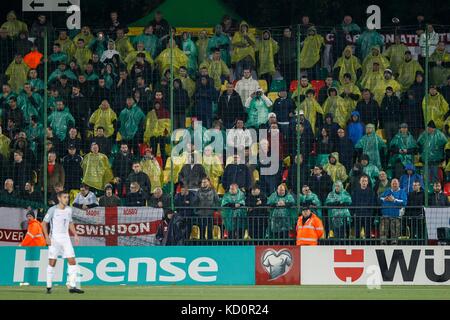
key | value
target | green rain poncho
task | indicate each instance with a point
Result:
(310, 53)
(439, 74)
(371, 58)
(281, 219)
(222, 42)
(396, 55)
(372, 172)
(66, 45)
(371, 144)
(267, 49)
(228, 214)
(60, 57)
(17, 74)
(311, 107)
(60, 121)
(216, 69)
(35, 134)
(314, 199)
(407, 73)
(336, 171)
(96, 170)
(202, 47)
(163, 60)
(150, 42)
(437, 109)
(367, 40)
(28, 109)
(435, 147)
(58, 73)
(14, 26)
(190, 50)
(352, 88)
(338, 216)
(258, 111)
(402, 141)
(36, 84)
(348, 64)
(339, 108)
(241, 46)
(130, 120)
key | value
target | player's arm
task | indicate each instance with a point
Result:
(45, 231)
(74, 232)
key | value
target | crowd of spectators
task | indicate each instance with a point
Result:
(366, 131)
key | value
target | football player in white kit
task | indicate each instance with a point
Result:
(60, 219)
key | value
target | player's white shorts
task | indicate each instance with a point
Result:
(61, 247)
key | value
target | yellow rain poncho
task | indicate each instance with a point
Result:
(14, 26)
(339, 108)
(267, 49)
(86, 37)
(216, 69)
(82, 56)
(132, 57)
(202, 47)
(213, 168)
(310, 107)
(407, 73)
(371, 79)
(4, 145)
(336, 171)
(371, 58)
(302, 92)
(124, 47)
(437, 108)
(105, 119)
(17, 74)
(155, 127)
(241, 46)
(396, 55)
(153, 170)
(178, 162)
(163, 60)
(380, 88)
(439, 74)
(349, 64)
(354, 90)
(188, 85)
(67, 46)
(310, 53)
(96, 170)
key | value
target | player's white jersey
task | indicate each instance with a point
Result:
(59, 220)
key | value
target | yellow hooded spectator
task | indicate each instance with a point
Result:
(335, 169)
(348, 63)
(311, 107)
(243, 44)
(104, 117)
(179, 58)
(310, 53)
(267, 47)
(17, 72)
(96, 169)
(437, 108)
(338, 107)
(14, 26)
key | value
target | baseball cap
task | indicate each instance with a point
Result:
(71, 146)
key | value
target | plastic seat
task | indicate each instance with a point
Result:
(381, 134)
(272, 96)
(317, 85)
(263, 85)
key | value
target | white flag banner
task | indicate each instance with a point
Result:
(436, 218)
(119, 226)
(13, 226)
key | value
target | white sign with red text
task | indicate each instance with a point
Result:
(13, 226)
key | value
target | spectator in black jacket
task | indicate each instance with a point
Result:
(72, 139)
(292, 174)
(438, 198)
(230, 107)
(20, 171)
(79, 108)
(72, 165)
(414, 216)
(344, 147)
(284, 108)
(364, 197)
(136, 197)
(413, 113)
(390, 114)
(180, 103)
(8, 193)
(13, 113)
(368, 108)
(172, 229)
(320, 183)
(258, 217)
(184, 199)
(237, 172)
(121, 168)
(101, 92)
(109, 199)
(159, 199)
(137, 175)
(192, 172)
(104, 143)
(30, 194)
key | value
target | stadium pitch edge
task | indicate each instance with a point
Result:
(230, 293)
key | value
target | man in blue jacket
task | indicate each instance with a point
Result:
(393, 201)
(407, 180)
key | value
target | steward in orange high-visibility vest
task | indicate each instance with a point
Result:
(35, 235)
(309, 228)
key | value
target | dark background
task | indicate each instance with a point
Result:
(259, 13)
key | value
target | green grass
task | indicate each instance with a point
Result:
(229, 292)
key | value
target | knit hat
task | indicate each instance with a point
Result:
(31, 213)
